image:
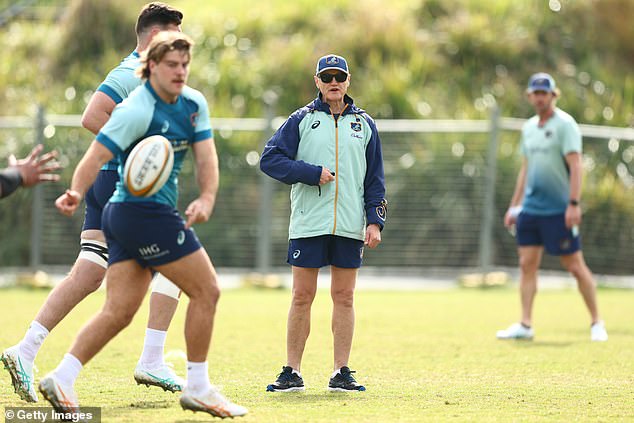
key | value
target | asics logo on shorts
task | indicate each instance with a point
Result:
(180, 238)
(296, 253)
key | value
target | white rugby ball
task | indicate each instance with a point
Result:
(148, 166)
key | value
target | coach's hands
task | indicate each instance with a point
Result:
(199, 210)
(326, 176)
(68, 202)
(372, 235)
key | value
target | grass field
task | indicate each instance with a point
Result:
(424, 356)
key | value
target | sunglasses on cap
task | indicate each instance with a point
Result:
(327, 77)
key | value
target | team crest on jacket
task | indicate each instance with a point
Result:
(356, 126)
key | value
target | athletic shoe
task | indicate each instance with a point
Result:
(163, 377)
(21, 372)
(212, 402)
(516, 331)
(287, 381)
(62, 398)
(598, 332)
(344, 382)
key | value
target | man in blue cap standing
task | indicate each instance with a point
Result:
(545, 207)
(337, 206)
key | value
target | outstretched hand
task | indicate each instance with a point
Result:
(35, 168)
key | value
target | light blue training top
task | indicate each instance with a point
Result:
(118, 85)
(547, 188)
(143, 114)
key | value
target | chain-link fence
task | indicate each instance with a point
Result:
(448, 186)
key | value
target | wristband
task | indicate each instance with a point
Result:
(10, 180)
(574, 202)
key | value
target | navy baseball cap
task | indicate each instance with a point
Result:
(332, 61)
(541, 82)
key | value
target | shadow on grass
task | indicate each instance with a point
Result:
(544, 344)
(145, 405)
(303, 398)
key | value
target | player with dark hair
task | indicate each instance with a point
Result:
(147, 234)
(90, 267)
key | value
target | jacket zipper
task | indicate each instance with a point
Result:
(334, 226)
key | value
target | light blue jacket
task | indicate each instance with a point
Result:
(350, 146)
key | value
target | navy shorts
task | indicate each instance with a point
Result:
(549, 231)
(97, 197)
(150, 233)
(324, 250)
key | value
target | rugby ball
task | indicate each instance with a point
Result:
(148, 166)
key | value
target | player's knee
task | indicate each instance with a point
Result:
(575, 267)
(207, 292)
(528, 265)
(118, 317)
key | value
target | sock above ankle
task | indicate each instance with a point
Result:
(68, 369)
(33, 340)
(153, 346)
(197, 377)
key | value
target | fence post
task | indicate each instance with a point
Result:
(35, 259)
(264, 243)
(488, 209)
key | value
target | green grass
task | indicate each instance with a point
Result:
(424, 356)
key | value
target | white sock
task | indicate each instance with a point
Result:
(152, 356)
(335, 373)
(32, 341)
(68, 370)
(297, 372)
(197, 378)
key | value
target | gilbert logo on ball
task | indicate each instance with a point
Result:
(148, 166)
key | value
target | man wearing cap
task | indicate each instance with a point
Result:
(329, 151)
(545, 207)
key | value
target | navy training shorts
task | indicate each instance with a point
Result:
(549, 231)
(324, 250)
(97, 197)
(150, 233)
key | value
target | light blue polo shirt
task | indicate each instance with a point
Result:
(547, 188)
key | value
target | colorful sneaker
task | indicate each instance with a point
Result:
(213, 403)
(516, 331)
(62, 398)
(598, 332)
(344, 382)
(163, 377)
(21, 372)
(287, 381)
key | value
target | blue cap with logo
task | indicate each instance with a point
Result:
(541, 82)
(332, 61)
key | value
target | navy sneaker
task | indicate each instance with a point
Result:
(287, 381)
(344, 382)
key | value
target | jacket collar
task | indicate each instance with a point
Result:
(322, 106)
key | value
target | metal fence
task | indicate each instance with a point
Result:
(448, 185)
